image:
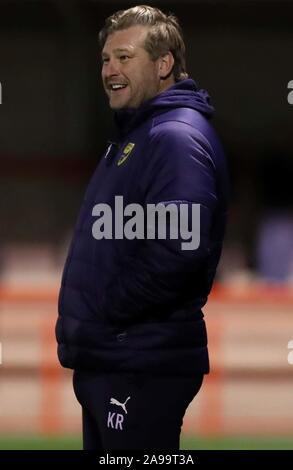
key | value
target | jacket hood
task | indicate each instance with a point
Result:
(183, 94)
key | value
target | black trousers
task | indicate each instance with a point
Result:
(133, 411)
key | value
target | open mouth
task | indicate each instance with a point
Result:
(117, 87)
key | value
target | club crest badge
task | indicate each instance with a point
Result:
(126, 152)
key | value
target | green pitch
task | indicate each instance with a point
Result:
(14, 442)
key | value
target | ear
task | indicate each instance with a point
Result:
(166, 65)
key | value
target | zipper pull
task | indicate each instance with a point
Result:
(111, 152)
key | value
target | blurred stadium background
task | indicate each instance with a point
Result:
(54, 123)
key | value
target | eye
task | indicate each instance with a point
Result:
(123, 58)
(105, 60)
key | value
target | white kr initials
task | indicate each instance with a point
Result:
(118, 423)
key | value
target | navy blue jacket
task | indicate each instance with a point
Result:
(135, 305)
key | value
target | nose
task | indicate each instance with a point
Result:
(110, 69)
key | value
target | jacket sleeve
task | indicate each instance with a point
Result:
(179, 168)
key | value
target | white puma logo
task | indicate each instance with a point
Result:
(113, 401)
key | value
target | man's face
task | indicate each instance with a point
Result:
(127, 63)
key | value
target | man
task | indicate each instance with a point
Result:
(130, 321)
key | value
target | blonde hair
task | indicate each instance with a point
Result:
(164, 34)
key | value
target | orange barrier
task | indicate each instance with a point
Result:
(210, 417)
(50, 380)
(220, 292)
(256, 292)
(210, 413)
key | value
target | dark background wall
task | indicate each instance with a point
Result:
(54, 118)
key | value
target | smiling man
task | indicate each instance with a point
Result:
(130, 306)
(129, 75)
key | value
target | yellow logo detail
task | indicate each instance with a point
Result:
(126, 152)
